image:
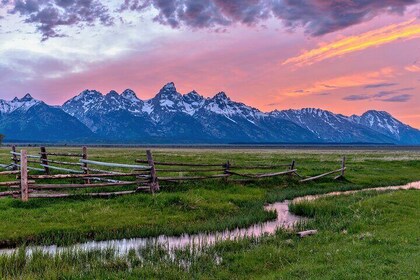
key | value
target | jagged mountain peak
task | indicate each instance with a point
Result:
(377, 113)
(24, 104)
(130, 95)
(170, 85)
(169, 91)
(26, 98)
(193, 96)
(221, 96)
(112, 93)
(87, 94)
(385, 123)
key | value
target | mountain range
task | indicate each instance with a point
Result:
(171, 117)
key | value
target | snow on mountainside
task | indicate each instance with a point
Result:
(385, 123)
(28, 119)
(331, 127)
(221, 104)
(167, 100)
(24, 103)
(171, 117)
(93, 101)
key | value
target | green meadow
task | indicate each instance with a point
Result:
(363, 236)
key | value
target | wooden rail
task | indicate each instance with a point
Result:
(341, 171)
(140, 177)
(117, 165)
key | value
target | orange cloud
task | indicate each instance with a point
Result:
(404, 31)
(413, 68)
(346, 81)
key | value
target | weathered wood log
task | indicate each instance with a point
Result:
(143, 189)
(256, 176)
(24, 187)
(190, 170)
(64, 154)
(63, 169)
(193, 177)
(118, 165)
(29, 167)
(63, 195)
(27, 156)
(107, 171)
(9, 172)
(106, 180)
(66, 176)
(79, 186)
(180, 164)
(276, 173)
(64, 162)
(11, 183)
(320, 176)
(259, 166)
(307, 233)
(35, 169)
(48, 195)
(110, 194)
(9, 193)
(5, 166)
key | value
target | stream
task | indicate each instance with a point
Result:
(285, 220)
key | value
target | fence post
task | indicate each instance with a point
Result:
(44, 160)
(292, 165)
(85, 165)
(227, 168)
(343, 166)
(24, 175)
(154, 184)
(15, 159)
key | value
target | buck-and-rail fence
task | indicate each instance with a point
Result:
(54, 174)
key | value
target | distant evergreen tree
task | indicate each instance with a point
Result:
(1, 138)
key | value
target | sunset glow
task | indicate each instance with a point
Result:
(375, 38)
(334, 55)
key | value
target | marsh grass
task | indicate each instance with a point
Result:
(361, 236)
(191, 207)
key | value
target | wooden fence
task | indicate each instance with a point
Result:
(51, 175)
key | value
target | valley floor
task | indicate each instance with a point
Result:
(361, 236)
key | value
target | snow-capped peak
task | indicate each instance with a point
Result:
(168, 91)
(130, 95)
(24, 103)
(221, 104)
(27, 98)
(170, 86)
(112, 93)
(380, 121)
(221, 96)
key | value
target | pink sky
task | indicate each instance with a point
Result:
(371, 64)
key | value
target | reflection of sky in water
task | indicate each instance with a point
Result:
(285, 219)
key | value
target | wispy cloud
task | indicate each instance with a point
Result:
(407, 30)
(381, 96)
(398, 98)
(379, 85)
(357, 97)
(347, 81)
